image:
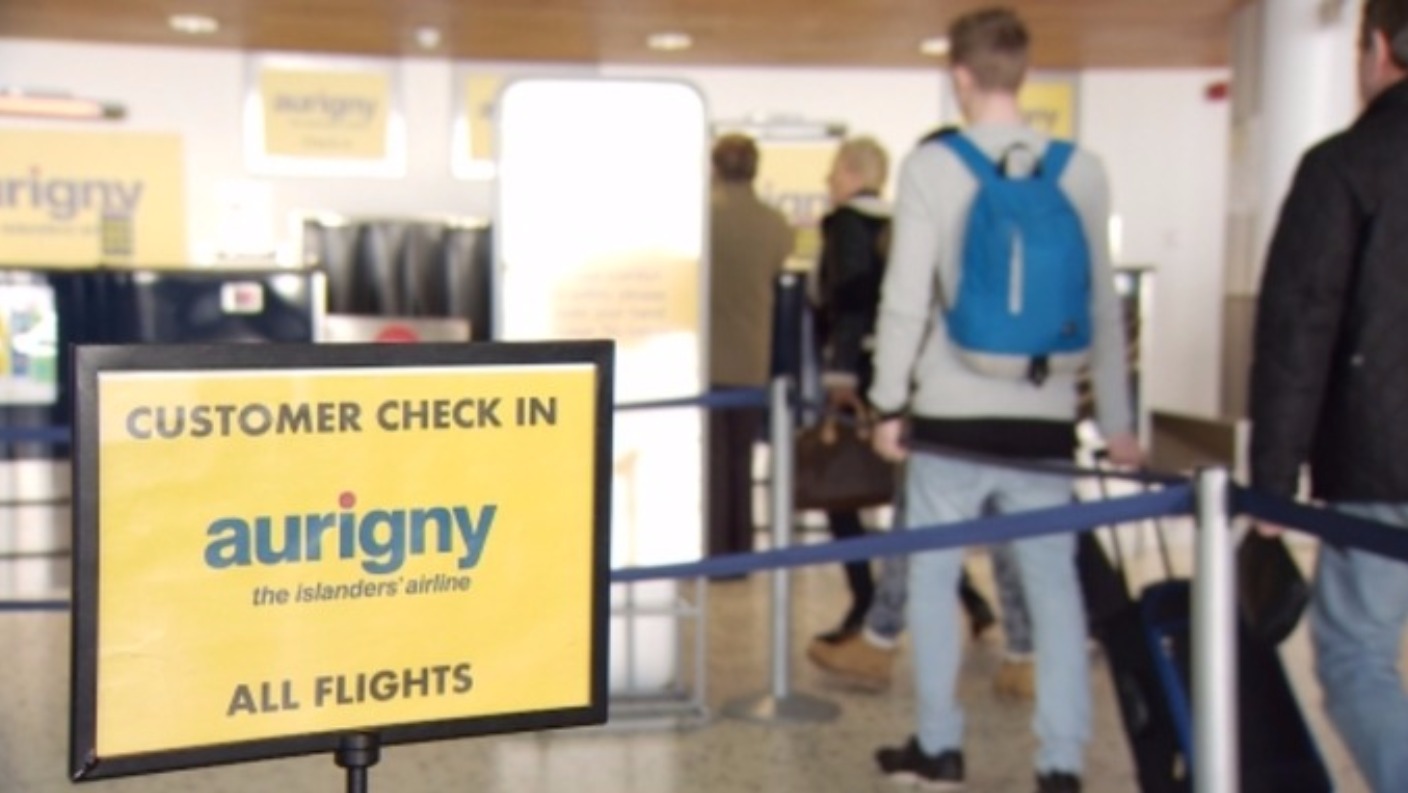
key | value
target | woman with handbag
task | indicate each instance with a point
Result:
(855, 243)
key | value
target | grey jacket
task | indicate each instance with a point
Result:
(918, 371)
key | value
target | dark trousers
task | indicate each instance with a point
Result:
(730, 507)
(844, 524)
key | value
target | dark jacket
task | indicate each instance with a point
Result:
(1330, 377)
(855, 242)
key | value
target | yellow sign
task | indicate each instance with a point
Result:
(79, 199)
(480, 93)
(304, 551)
(635, 299)
(1049, 104)
(792, 177)
(343, 115)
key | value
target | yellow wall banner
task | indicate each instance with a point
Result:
(342, 546)
(79, 199)
(1049, 104)
(474, 145)
(480, 92)
(322, 114)
(792, 177)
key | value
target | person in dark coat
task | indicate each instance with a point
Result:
(1330, 388)
(749, 242)
(855, 241)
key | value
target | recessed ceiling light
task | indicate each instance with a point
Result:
(193, 24)
(428, 37)
(935, 46)
(669, 41)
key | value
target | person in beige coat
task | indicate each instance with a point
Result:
(748, 244)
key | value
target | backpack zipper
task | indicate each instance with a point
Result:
(1016, 274)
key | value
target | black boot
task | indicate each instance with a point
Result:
(862, 586)
(859, 579)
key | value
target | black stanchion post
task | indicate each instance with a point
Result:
(358, 753)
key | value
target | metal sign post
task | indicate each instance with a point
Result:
(357, 754)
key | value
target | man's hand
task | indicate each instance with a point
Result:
(1269, 530)
(887, 440)
(1123, 449)
(845, 398)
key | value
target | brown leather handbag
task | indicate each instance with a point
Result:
(836, 468)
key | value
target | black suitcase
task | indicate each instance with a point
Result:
(1147, 645)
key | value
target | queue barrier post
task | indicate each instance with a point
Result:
(1215, 751)
(781, 703)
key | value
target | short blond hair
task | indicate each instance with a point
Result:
(866, 158)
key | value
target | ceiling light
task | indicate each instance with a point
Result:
(16, 103)
(193, 24)
(669, 41)
(935, 46)
(427, 37)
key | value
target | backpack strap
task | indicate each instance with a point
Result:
(983, 169)
(1058, 156)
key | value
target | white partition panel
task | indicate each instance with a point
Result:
(601, 233)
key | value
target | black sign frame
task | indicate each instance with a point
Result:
(91, 361)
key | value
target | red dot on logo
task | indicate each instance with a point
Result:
(347, 500)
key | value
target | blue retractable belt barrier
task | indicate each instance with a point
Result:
(1333, 527)
(713, 400)
(33, 605)
(54, 435)
(1175, 500)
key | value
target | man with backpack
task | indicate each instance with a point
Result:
(998, 290)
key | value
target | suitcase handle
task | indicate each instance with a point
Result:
(1102, 459)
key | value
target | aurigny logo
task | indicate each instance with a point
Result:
(381, 539)
(64, 198)
(328, 107)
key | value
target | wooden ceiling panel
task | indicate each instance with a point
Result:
(1068, 33)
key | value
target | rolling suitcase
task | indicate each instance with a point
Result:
(1148, 647)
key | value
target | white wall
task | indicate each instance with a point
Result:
(1165, 145)
(199, 94)
(895, 106)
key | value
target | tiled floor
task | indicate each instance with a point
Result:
(631, 757)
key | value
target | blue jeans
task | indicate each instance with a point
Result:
(938, 491)
(886, 617)
(1358, 609)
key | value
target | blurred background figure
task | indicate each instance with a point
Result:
(748, 243)
(855, 242)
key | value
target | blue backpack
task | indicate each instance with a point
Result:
(1022, 307)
